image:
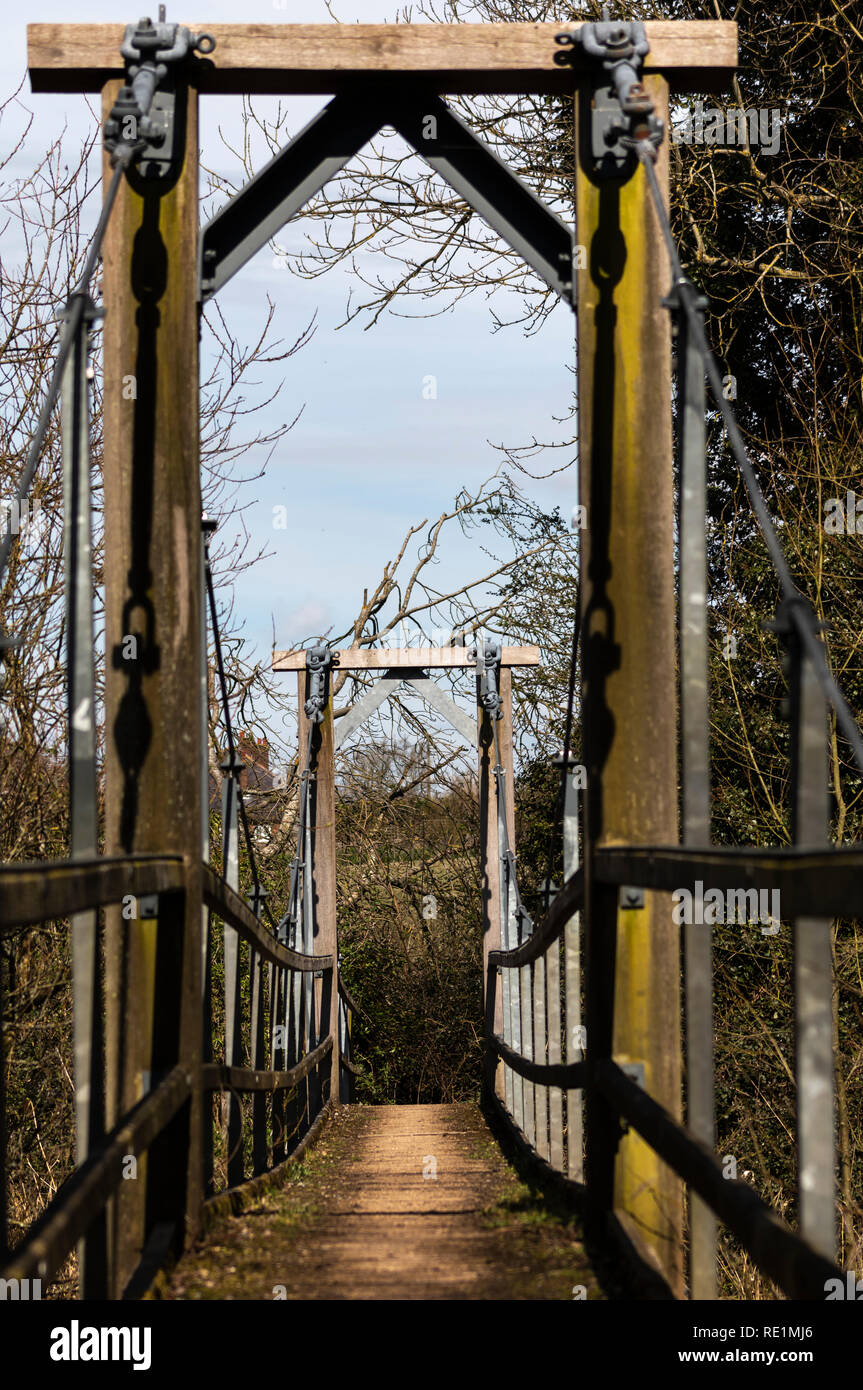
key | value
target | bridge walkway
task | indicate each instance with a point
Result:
(394, 1202)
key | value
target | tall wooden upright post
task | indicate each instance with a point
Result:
(629, 696)
(153, 564)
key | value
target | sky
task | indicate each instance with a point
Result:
(370, 456)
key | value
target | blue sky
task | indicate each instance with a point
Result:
(369, 456)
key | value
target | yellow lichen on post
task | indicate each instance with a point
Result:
(626, 485)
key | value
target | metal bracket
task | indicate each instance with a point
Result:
(785, 628)
(488, 652)
(156, 156)
(621, 109)
(256, 899)
(318, 662)
(142, 125)
(630, 897)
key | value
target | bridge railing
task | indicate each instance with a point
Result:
(277, 1046)
(791, 1262)
(295, 1078)
(814, 885)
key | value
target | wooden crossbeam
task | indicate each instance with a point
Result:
(694, 55)
(418, 658)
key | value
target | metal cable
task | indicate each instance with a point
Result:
(226, 712)
(567, 739)
(521, 912)
(75, 306)
(800, 611)
(299, 859)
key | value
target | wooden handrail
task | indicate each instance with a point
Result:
(219, 1078)
(78, 1201)
(551, 927)
(58, 888)
(228, 905)
(787, 1259)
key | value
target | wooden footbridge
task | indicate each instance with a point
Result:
(585, 1024)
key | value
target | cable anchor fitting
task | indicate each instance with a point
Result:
(487, 654)
(621, 110)
(318, 663)
(142, 121)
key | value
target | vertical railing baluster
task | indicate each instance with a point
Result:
(256, 1041)
(526, 1042)
(309, 947)
(276, 1055)
(515, 1012)
(83, 805)
(572, 981)
(813, 961)
(506, 985)
(555, 1094)
(695, 773)
(280, 1047)
(294, 995)
(232, 767)
(294, 1009)
(540, 1052)
(208, 527)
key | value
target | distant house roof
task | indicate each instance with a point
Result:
(255, 779)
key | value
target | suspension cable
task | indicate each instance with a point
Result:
(75, 306)
(567, 743)
(226, 714)
(509, 857)
(798, 607)
(299, 862)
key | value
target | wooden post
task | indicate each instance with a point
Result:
(153, 562)
(627, 595)
(322, 817)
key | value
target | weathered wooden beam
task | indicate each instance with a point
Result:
(57, 888)
(629, 702)
(415, 658)
(695, 55)
(246, 1079)
(152, 501)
